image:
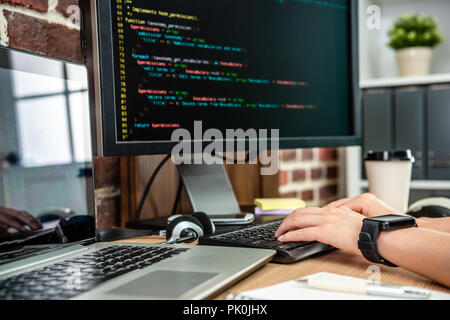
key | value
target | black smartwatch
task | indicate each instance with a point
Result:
(371, 228)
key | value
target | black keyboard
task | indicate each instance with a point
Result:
(72, 277)
(263, 236)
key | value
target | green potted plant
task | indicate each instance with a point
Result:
(414, 36)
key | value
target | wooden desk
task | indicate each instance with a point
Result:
(338, 261)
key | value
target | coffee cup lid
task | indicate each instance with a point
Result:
(401, 155)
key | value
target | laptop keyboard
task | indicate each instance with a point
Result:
(72, 277)
(11, 256)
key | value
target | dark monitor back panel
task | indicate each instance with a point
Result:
(258, 64)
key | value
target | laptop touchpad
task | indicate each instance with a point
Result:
(163, 283)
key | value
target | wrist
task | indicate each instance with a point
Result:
(437, 224)
(386, 240)
(368, 242)
(391, 244)
(423, 222)
(372, 230)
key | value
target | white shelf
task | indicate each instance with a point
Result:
(421, 184)
(405, 81)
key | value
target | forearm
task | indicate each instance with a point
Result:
(421, 250)
(438, 224)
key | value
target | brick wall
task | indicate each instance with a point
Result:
(309, 174)
(50, 27)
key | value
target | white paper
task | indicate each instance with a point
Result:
(293, 290)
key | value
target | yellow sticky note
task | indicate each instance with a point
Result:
(280, 203)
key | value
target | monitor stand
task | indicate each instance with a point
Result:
(209, 189)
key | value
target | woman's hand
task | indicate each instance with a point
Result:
(336, 226)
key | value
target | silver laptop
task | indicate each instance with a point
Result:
(47, 212)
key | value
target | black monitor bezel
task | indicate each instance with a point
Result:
(109, 145)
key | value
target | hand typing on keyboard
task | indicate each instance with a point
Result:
(337, 226)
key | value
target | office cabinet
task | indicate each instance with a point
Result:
(409, 126)
(438, 132)
(415, 118)
(377, 120)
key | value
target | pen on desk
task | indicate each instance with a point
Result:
(366, 288)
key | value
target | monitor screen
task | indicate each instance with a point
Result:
(46, 183)
(229, 64)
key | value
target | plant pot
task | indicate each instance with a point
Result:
(415, 61)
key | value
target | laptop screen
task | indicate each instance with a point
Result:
(46, 175)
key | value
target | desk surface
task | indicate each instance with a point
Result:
(338, 261)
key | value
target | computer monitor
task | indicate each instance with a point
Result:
(164, 65)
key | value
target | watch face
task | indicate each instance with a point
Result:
(392, 221)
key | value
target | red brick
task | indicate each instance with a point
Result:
(307, 154)
(316, 173)
(328, 192)
(327, 154)
(39, 36)
(38, 5)
(283, 178)
(332, 172)
(63, 5)
(299, 175)
(308, 195)
(289, 195)
(288, 155)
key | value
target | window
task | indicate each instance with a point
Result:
(53, 119)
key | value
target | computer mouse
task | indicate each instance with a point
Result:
(430, 208)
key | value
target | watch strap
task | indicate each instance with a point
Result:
(368, 243)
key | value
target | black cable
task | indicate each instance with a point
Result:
(181, 240)
(149, 184)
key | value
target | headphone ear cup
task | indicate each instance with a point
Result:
(174, 229)
(208, 225)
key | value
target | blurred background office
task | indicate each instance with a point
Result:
(404, 112)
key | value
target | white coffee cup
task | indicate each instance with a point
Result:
(389, 176)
